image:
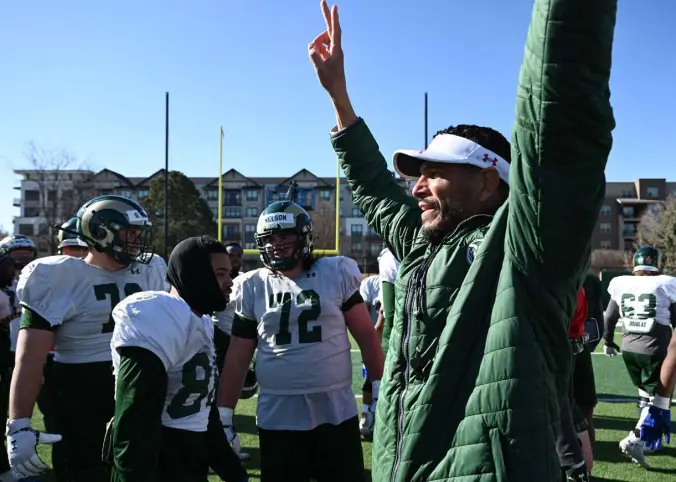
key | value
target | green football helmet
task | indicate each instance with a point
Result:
(647, 258)
(118, 227)
(284, 217)
(68, 235)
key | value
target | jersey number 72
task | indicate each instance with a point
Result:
(110, 290)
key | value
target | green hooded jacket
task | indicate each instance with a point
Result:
(479, 357)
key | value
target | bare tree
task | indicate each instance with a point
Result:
(610, 259)
(63, 184)
(658, 228)
(3, 233)
(324, 227)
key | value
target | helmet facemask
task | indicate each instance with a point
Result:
(273, 254)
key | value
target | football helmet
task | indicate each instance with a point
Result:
(68, 235)
(284, 217)
(250, 387)
(118, 227)
(22, 247)
(647, 258)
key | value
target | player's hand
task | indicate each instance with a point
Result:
(326, 54)
(231, 433)
(611, 349)
(656, 423)
(22, 442)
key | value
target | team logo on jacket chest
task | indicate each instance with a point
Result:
(472, 249)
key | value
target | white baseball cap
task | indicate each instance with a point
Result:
(449, 149)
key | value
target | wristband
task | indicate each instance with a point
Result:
(375, 389)
(662, 402)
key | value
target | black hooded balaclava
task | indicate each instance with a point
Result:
(189, 270)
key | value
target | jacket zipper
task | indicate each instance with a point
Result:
(422, 269)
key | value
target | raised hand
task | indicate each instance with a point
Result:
(326, 54)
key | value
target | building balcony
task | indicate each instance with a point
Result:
(17, 202)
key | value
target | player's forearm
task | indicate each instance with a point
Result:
(31, 353)
(667, 381)
(234, 372)
(610, 319)
(371, 352)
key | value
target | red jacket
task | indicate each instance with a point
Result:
(576, 329)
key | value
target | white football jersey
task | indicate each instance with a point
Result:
(165, 325)
(370, 292)
(388, 266)
(79, 298)
(303, 346)
(643, 301)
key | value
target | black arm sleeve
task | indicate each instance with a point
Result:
(139, 400)
(222, 459)
(610, 319)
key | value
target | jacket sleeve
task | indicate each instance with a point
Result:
(561, 138)
(222, 458)
(140, 392)
(385, 204)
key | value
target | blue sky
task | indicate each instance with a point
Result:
(90, 77)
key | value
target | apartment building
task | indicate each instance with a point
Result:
(50, 197)
(622, 208)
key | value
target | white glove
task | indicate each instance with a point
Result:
(230, 432)
(22, 442)
(609, 351)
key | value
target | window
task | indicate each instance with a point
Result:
(249, 245)
(26, 229)
(652, 192)
(125, 193)
(143, 193)
(654, 208)
(605, 244)
(212, 195)
(251, 212)
(52, 195)
(356, 229)
(214, 211)
(43, 247)
(376, 248)
(604, 227)
(606, 210)
(628, 212)
(627, 193)
(43, 229)
(31, 195)
(31, 212)
(324, 194)
(356, 247)
(251, 195)
(231, 231)
(232, 197)
(629, 230)
(232, 212)
(356, 213)
(249, 231)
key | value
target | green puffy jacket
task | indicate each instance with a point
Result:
(479, 357)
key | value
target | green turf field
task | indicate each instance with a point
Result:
(615, 416)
